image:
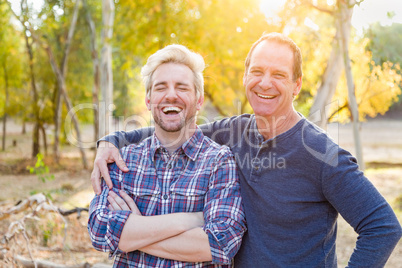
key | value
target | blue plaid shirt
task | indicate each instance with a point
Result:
(199, 176)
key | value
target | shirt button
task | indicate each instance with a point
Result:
(165, 196)
(169, 166)
(257, 167)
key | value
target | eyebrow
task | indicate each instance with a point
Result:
(176, 84)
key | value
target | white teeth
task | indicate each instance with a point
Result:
(265, 97)
(171, 109)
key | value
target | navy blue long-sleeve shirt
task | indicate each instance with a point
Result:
(293, 187)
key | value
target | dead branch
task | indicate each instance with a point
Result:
(23, 205)
(46, 264)
(72, 211)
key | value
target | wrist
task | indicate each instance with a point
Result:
(105, 144)
(192, 220)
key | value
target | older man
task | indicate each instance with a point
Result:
(179, 204)
(294, 179)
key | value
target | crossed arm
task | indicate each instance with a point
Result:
(191, 245)
(121, 227)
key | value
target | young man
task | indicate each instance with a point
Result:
(179, 204)
(294, 178)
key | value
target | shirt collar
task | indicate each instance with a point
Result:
(191, 147)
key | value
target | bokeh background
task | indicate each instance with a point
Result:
(70, 73)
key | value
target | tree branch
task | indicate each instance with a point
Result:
(321, 9)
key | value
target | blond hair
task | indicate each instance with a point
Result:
(175, 54)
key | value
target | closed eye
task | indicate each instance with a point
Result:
(280, 75)
(256, 72)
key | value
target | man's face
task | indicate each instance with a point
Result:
(173, 101)
(269, 83)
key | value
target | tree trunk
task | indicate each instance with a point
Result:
(95, 62)
(35, 134)
(319, 111)
(24, 126)
(346, 10)
(3, 142)
(106, 72)
(35, 145)
(57, 126)
(60, 75)
(44, 138)
(61, 85)
(58, 101)
(326, 90)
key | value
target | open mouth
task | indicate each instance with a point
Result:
(267, 97)
(171, 110)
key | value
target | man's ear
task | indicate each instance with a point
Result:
(244, 79)
(200, 102)
(148, 103)
(298, 87)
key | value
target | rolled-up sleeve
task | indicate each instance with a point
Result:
(223, 212)
(105, 226)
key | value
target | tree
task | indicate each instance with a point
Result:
(60, 73)
(96, 68)
(106, 74)
(345, 21)
(25, 22)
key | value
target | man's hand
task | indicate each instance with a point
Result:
(106, 153)
(117, 203)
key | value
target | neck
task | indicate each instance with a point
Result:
(272, 126)
(171, 141)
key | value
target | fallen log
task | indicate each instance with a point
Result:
(41, 202)
(27, 263)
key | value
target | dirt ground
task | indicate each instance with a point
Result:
(382, 147)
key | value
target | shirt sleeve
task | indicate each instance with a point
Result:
(105, 226)
(121, 139)
(223, 212)
(363, 207)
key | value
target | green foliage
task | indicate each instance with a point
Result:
(41, 169)
(384, 46)
(385, 43)
(48, 232)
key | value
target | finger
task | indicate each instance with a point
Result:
(120, 162)
(102, 165)
(119, 201)
(130, 202)
(113, 203)
(95, 180)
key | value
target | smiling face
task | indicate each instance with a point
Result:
(269, 83)
(173, 100)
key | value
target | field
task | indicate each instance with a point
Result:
(382, 148)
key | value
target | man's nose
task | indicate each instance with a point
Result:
(266, 81)
(171, 93)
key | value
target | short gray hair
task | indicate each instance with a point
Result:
(284, 40)
(175, 54)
